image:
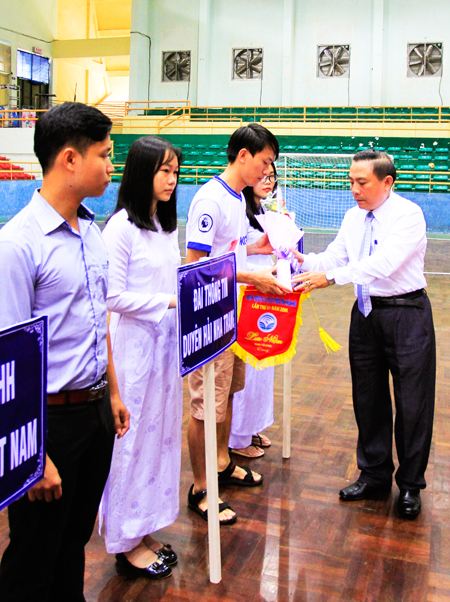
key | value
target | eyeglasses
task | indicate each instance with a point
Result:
(272, 178)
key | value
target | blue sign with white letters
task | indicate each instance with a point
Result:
(23, 407)
(207, 310)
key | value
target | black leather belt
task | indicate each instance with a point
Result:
(94, 393)
(413, 299)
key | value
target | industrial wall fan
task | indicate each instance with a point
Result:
(333, 61)
(424, 60)
(176, 66)
(247, 63)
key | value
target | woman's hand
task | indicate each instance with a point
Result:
(121, 415)
(173, 302)
(261, 247)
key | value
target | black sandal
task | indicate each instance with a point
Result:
(194, 500)
(225, 477)
(258, 441)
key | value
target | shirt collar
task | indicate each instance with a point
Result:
(48, 218)
(380, 211)
(230, 190)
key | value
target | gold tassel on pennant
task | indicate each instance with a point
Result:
(330, 344)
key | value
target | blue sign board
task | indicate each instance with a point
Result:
(207, 310)
(23, 407)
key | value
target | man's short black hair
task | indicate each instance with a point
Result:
(254, 137)
(69, 124)
(383, 165)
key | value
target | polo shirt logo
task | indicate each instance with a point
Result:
(205, 223)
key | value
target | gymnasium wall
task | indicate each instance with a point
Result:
(289, 32)
(16, 195)
(80, 78)
(24, 24)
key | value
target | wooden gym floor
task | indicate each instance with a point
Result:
(294, 540)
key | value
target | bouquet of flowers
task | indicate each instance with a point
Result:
(283, 235)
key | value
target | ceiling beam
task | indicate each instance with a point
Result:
(73, 49)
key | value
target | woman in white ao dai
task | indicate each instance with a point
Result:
(142, 492)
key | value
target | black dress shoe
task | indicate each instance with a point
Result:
(362, 491)
(167, 555)
(409, 504)
(157, 570)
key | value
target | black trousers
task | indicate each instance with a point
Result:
(399, 340)
(44, 561)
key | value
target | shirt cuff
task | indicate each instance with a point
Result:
(342, 275)
(199, 246)
(307, 266)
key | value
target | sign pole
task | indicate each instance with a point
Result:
(287, 381)
(212, 486)
(207, 325)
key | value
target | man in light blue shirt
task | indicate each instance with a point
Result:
(54, 263)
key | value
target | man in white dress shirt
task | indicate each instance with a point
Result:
(380, 248)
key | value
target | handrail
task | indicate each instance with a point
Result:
(328, 114)
(175, 118)
(199, 173)
(283, 116)
(146, 104)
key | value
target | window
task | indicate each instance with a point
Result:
(5, 58)
(33, 67)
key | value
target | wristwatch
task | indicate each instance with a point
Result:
(330, 277)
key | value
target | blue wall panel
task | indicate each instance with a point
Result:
(436, 207)
(14, 196)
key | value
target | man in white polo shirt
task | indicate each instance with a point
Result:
(216, 225)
